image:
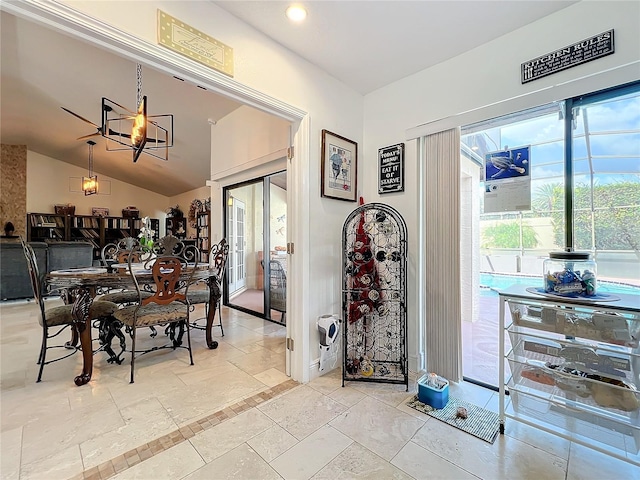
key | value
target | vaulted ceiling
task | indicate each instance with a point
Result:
(365, 44)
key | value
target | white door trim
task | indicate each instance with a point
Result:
(76, 24)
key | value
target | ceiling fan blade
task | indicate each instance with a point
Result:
(81, 118)
(97, 134)
(118, 134)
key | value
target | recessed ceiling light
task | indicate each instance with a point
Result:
(295, 13)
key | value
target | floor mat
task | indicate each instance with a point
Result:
(480, 422)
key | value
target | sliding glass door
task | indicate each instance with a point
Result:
(257, 280)
(583, 168)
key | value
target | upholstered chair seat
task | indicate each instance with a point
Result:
(124, 297)
(149, 315)
(62, 315)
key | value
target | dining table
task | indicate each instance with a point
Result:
(79, 287)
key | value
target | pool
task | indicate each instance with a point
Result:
(489, 282)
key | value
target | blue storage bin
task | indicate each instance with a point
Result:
(438, 396)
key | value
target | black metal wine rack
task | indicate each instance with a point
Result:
(374, 296)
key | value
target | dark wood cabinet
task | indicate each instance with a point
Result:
(176, 226)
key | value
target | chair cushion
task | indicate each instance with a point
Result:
(62, 315)
(198, 296)
(151, 314)
(125, 296)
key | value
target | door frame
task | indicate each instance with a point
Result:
(72, 22)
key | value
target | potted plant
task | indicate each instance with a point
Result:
(175, 212)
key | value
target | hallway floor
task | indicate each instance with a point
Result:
(235, 414)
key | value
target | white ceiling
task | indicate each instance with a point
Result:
(365, 44)
(43, 71)
(370, 44)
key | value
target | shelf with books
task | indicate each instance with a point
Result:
(46, 227)
(203, 233)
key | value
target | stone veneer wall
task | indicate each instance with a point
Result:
(13, 187)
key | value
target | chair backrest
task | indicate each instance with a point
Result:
(277, 286)
(219, 254)
(166, 271)
(118, 252)
(34, 274)
(172, 245)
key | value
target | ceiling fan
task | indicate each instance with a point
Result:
(99, 131)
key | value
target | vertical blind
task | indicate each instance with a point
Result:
(443, 330)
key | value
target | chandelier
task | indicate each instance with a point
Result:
(90, 182)
(135, 130)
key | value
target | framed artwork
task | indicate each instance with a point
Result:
(391, 169)
(100, 212)
(339, 167)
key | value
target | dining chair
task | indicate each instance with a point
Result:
(118, 253)
(55, 320)
(218, 257)
(278, 288)
(167, 272)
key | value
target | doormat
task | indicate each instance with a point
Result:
(480, 423)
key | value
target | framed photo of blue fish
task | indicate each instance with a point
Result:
(339, 167)
(391, 171)
(507, 180)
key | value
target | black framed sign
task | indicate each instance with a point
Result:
(584, 51)
(391, 169)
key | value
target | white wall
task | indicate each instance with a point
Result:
(265, 66)
(49, 181)
(480, 79)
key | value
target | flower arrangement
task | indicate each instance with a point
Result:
(146, 234)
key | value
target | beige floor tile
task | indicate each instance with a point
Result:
(327, 383)
(192, 402)
(312, 454)
(377, 426)
(271, 377)
(347, 396)
(357, 462)
(61, 464)
(272, 443)
(222, 438)
(552, 444)
(61, 431)
(256, 362)
(10, 453)
(506, 458)
(391, 394)
(144, 421)
(241, 463)
(588, 464)
(171, 464)
(302, 411)
(423, 464)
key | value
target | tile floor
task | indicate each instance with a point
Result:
(235, 414)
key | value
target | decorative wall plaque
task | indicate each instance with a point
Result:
(194, 44)
(391, 171)
(581, 52)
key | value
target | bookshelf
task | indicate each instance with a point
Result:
(46, 227)
(203, 234)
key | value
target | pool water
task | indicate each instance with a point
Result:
(489, 282)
